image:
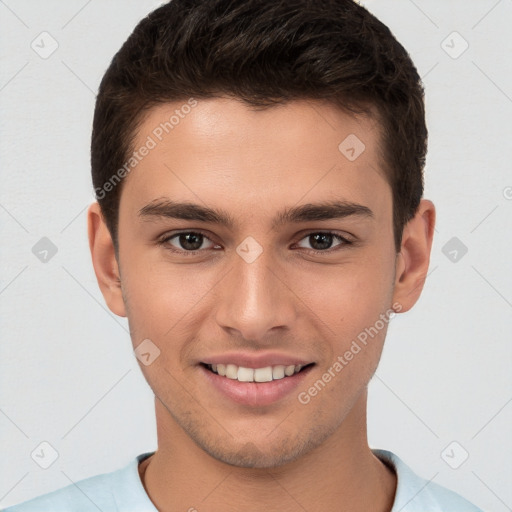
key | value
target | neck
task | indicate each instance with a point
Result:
(338, 475)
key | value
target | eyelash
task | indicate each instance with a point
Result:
(345, 242)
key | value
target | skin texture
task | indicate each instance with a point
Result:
(214, 454)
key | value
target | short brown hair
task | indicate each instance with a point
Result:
(264, 52)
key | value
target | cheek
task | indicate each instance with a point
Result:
(161, 298)
(358, 324)
(350, 297)
(353, 304)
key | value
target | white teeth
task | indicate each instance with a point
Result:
(278, 372)
(266, 374)
(245, 374)
(232, 371)
(289, 370)
(263, 374)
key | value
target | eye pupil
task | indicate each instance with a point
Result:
(323, 243)
(187, 239)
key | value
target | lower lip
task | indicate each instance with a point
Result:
(255, 393)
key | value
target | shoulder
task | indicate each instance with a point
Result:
(89, 494)
(108, 492)
(415, 494)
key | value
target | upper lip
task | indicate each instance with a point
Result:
(252, 360)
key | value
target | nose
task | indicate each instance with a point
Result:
(255, 298)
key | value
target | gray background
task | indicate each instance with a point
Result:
(68, 375)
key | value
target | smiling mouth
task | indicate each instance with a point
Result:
(265, 374)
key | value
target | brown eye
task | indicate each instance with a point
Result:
(189, 241)
(323, 241)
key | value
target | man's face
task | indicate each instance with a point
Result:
(256, 288)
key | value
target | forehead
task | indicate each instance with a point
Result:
(223, 151)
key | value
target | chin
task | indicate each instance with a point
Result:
(250, 456)
(263, 453)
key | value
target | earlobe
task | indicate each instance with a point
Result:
(104, 260)
(414, 257)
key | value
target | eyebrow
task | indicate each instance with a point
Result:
(325, 210)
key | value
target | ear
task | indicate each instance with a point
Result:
(413, 260)
(104, 260)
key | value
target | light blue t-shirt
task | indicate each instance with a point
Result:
(122, 491)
